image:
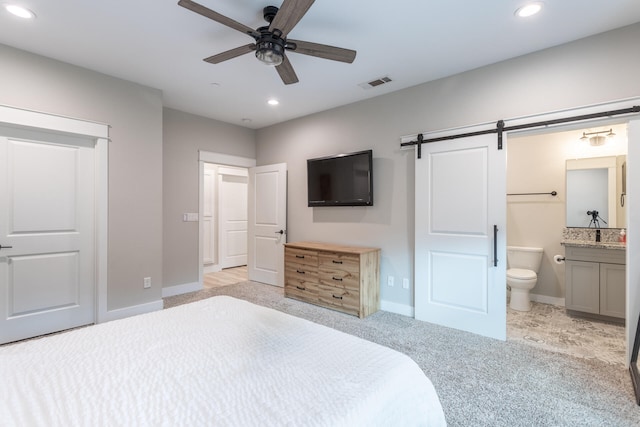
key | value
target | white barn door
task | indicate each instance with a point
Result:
(47, 213)
(267, 223)
(460, 267)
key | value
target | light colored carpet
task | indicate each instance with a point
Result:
(480, 381)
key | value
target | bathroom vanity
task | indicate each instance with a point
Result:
(595, 276)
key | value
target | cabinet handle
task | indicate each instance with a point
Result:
(301, 272)
(300, 256)
(336, 296)
(336, 262)
(301, 288)
(337, 279)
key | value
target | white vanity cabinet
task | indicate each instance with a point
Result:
(595, 280)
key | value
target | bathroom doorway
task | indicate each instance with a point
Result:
(536, 217)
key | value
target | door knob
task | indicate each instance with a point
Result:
(280, 232)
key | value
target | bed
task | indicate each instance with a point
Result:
(219, 361)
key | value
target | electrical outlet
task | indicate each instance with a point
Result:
(390, 281)
(405, 283)
(147, 283)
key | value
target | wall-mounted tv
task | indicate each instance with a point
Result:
(341, 180)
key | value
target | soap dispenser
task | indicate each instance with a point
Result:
(623, 236)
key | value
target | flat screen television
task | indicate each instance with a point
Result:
(341, 180)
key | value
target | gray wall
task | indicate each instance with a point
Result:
(592, 70)
(184, 135)
(134, 113)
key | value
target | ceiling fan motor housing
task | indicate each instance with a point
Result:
(269, 13)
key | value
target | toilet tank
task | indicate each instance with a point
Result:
(524, 257)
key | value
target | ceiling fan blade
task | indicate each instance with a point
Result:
(230, 54)
(323, 51)
(286, 72)
(205, 11)
(290, 13)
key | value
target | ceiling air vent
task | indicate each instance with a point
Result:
(376, 82)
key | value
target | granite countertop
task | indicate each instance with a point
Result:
(594, 244)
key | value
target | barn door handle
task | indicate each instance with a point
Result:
(495, 245)
(5, 247)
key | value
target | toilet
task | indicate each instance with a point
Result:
(522, 274)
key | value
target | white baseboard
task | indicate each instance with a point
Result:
(547, 300)
(134, 310)
(394, 307)
(170, 291)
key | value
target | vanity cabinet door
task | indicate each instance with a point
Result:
(612, 289)
(582, 286)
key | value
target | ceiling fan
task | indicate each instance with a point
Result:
(271, 41)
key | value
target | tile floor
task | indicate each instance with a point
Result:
(550, 327)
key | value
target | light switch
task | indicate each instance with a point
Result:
(190, 217)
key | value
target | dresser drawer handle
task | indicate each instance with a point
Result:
(336, 262)
(301, 288)
(337, 279)
(301, 272)
(300, 256)
(336, 296)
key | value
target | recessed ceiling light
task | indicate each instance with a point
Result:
(529, 9)
(273, 102)
(19, 11)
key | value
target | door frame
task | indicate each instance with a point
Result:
(219, 159)
(99, 133)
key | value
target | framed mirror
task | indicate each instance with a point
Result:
(596, 189)
(633, 366)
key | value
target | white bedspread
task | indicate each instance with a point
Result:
(219, 361)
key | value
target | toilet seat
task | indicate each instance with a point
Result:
(521, 273)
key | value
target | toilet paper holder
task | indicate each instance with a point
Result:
(559, 259)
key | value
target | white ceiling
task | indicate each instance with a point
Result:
(160, 44)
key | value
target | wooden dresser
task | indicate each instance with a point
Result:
(344, 278)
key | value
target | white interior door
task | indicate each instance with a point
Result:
(460, 195)
(232, 185)
(47, 276)
(267, 223)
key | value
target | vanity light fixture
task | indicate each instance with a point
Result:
(19, 11)
(529, 9)
(596, 139)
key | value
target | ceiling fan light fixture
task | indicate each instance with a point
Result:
(270, 51)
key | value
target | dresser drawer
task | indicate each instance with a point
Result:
(339, 270)
(301, 272)
(300, 256)
(306, 291)
(346, 300)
